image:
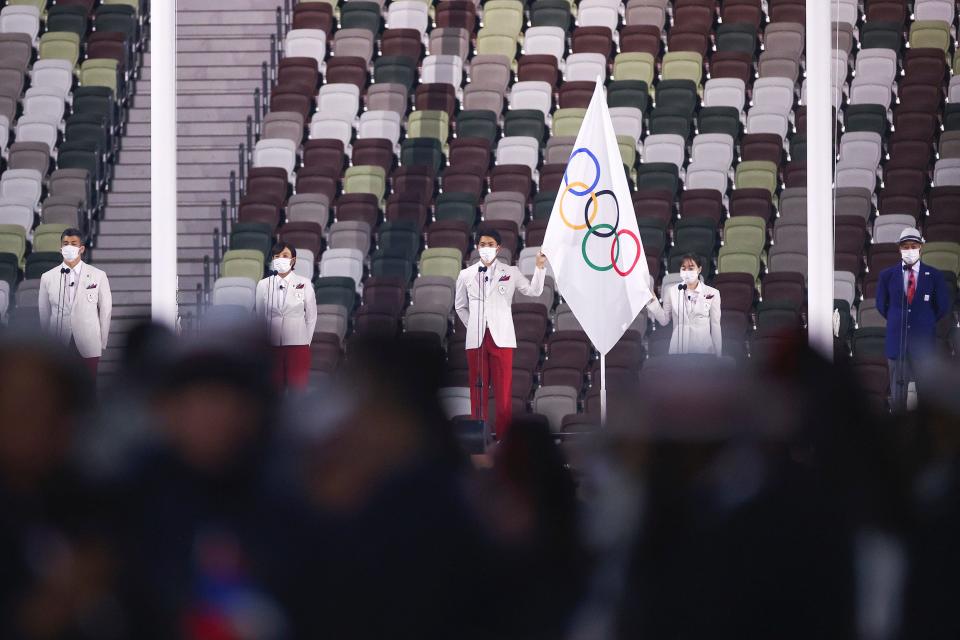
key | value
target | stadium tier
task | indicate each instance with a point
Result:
(394, 129)
(67, 76)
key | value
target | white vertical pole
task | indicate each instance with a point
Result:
(820, 155)
(163, 162)
(603, 390)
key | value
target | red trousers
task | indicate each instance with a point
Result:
(90, 363)
(291, 366)
(496, 365)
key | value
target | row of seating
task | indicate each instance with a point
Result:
(65, 80)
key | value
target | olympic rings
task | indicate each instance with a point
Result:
(614, 244)
(593, 198)
(636, 258)
(611, 231)
(616, 225)
(596, 165)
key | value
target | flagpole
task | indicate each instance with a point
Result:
(603, 390)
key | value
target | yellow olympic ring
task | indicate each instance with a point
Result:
(593, 197)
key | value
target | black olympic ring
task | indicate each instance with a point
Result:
(586, 215)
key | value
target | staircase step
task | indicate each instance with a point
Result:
(193, 45)
(123, 299)
(215, 113)
(218, 31)
(116, 212)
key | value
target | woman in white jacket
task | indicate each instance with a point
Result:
(694, 309)
(288, 306)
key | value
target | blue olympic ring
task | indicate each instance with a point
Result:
(596, 164)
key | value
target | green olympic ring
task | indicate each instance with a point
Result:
(583, 248)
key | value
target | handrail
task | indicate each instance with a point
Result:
(287, 10)
(216, 253)
(233, 195)
(223, 219)
(276, 37)
(257, 107)
(206, 279)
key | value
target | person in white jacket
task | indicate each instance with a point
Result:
(75, 302)
(694, 309)
(288, 305)
(484, 296)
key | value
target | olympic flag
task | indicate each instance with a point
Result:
(592, 240)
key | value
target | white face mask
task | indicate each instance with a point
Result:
(70, 252)
(488, 254)
(910, 256)
(282, 265)
(689, 277)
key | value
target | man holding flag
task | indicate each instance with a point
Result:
(484, 297)
(592, 238)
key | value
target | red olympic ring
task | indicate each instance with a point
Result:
(616, 243)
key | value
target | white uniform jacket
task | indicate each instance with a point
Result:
(700, 325)
(289, 306)
(83, 314)
(492, 309)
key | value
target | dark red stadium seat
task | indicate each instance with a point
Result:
(303, 235)
(787, 286)
(919, 95)
(347, 69)
(527, 354)
(881, 11)
(592, 40)
(386, 293)
(910, 204)
(401, 42)
(795, 174)
(318, 179)
(702, 203)
(694, 41)
(751, 202)
(417, 179)
(108, 44)
(641, 38)
(463, 179)
(787, 11)
(470, 152)
(761, 146)
(325, 152)
(693, 17)
(575, 94)
(453, 234)
(655, 204)
(926, 65)
(511, 177)
(436, 96)
(850, 234)
(373, 151)
(737, 291)
(538, 67)
(300, 71)
(406, 206)
(325, 352)
(362, 207)
(254, 208)
(535, 231)
(551, 176)
(269, 184)
(944, 202)
(732, 64)
(461, 14)
(909, 153)
(568, 354)
(905, 180)
(313, 15)
(530, 322)
(883, 255)
(376, 320)
(748, 12)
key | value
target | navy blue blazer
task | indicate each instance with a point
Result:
(930, 303)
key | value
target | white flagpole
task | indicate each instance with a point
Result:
(603, 390)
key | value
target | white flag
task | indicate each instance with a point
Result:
(592, 240)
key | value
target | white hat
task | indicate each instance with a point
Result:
(910, 233)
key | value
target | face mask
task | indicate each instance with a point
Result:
(689, 277)
(70, 252)
(488, 254)
(281, 265)
(910, 256)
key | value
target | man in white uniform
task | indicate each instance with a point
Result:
(484, 297)
(76, 303)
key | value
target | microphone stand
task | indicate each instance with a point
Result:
(901, 399)
(271, 299)
(63, 290)
(681, 298)
(481, 390)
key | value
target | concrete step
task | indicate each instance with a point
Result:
(258, 31)
(224, 58)
(138, 211)
(206, 86)
(105, 255)
(131, 172)
(123, 299)
(139, 198)
(128, 311)
(242, 98)
(215, 113)
(190, 268)
(129, 186)
(235, 5)
(196, 254)
(129, 283)
(189, 47)
(232, 17)
(204, 184)
(219, 154)
(124, 227)
(218, 170)
(142, 242)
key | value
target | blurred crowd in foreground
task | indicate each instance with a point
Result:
(187, 500)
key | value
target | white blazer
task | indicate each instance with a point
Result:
(87, 318)
(289, 306)
(701, 320)
(496, 315)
